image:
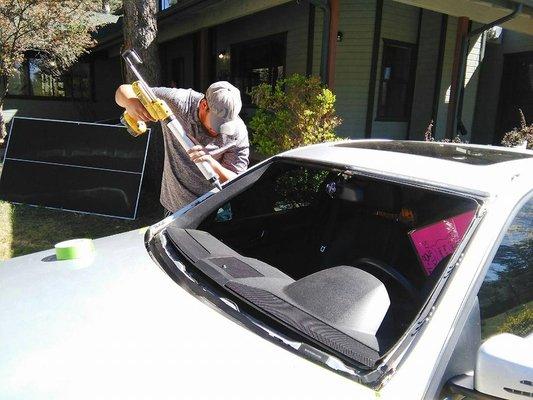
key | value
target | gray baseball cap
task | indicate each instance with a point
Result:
(224, 101)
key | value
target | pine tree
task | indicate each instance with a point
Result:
(140, 32)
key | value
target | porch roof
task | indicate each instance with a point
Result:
(483, 11)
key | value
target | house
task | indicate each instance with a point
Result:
(394, 65)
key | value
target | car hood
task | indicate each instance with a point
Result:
(116, 326)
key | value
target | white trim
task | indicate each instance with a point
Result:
(72, 122)
(72, 166)
(142, 173)
(8, 140)
(69, 210)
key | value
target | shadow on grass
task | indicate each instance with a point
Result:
(30, 229)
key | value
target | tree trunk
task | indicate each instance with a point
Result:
(140, 32)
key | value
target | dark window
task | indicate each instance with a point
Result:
(164, 4)
(396, 81)
(451, 152)
(284, 188)
(78, 81)
(177, 72)
(258, 61)
(506, 296)
(516, 92)
(30, 81)
(19, 82)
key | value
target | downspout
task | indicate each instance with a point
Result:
(464, 54)
(332, 47)
(324, 6)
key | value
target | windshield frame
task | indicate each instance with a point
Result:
(180, 270)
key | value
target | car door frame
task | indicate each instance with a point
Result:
(438, 378)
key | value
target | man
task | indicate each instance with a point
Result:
(212, 121)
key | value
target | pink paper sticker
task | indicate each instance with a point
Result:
(438, 240)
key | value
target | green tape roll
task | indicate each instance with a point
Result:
(75, 248)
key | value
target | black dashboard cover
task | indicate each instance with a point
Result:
(340, 307)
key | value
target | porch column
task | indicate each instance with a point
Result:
(332, 47)
(458, 55)
(202, 60)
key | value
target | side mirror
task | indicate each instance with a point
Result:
(504, 370)
(504, 367)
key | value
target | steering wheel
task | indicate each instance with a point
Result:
(372, 264)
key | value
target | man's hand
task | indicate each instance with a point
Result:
(125, 97)
(135, 108)
(199, 154)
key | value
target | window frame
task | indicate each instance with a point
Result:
(471, 296)
(497, 245)
(25, 67)
(235, 62)
(157, 246)
(410, 84)
(166, 4)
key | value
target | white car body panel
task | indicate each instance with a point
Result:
(420, 364)
(117, 326)
(479, 178)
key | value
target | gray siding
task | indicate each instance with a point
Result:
(219, 13)
(400, 22)
(317, 40)
(352, 71)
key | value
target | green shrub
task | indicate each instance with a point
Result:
(517, 137)
(520, 324)
(298, 111)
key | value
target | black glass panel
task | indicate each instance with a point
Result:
(71, 188)
(91, 168)
(80, 144)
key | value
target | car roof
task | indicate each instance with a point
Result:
(482, 170)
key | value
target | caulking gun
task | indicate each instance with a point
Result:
(160, 111)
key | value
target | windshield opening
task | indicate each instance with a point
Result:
(345, 260)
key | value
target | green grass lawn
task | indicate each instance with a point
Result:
(25, 229)
(491, 326)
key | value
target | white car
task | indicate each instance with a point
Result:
(349, 270)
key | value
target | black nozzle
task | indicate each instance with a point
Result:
(215, 182)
